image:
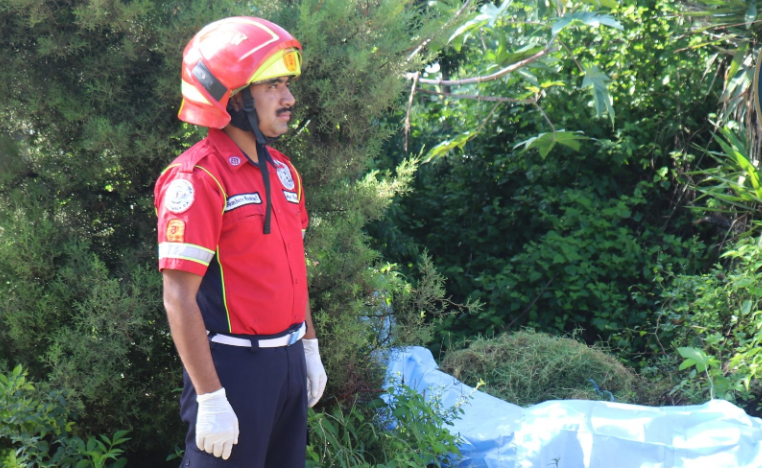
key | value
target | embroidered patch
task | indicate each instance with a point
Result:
(234, 160)
(284, 174)
(237, 201)
(290, 61)
(176, 230)
(179, 196)
(291, 197)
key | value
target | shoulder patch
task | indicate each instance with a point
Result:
(179, 196)
(284, 174)
(176, 230)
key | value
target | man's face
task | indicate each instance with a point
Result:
(273, 102)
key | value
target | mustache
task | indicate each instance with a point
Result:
(284, 109)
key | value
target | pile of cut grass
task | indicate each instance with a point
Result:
(526, 368)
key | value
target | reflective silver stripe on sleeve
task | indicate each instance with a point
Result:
(190, 252)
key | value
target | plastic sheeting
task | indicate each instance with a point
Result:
(585, 434)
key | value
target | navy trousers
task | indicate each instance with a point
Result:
(267, 390)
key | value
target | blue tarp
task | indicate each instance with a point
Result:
(585, 434)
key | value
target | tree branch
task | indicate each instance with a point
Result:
(546, 118)
(482, 79)
(409, 106)
(477, 97)
(573, 57)
(426, 41)
(478, 130)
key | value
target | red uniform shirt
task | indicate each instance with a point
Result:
(211, 207)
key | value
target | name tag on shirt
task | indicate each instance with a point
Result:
(237, 201)
(291, 197)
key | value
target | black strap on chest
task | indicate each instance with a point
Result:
(262, 154)
(264, 157)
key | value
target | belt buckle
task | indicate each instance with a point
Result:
(293, 337)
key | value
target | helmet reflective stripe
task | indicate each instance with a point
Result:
(264, 44)
(190, 252)
(192, 94)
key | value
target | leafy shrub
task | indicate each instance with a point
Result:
(526, 368)
(36, 431)
(713, 322)
(567, 239)
(407, 430)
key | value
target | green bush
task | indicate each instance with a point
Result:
(568, 239)
(712, 322)
(88, 105)
(526, 368)
(407, 430)
(36, 431)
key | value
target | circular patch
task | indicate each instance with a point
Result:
(179, 196)
(234, 160)
(285, 175)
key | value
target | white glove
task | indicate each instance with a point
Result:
(216, 424)
(316, 377)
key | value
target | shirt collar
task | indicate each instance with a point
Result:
(228, 150)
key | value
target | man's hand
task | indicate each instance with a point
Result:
(216, 424)
(316, 377)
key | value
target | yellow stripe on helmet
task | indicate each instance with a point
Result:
(287, 62)
(192, 94)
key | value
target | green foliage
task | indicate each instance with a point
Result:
(713, 321)
(729, 31)
(527, 368)
(355, 54)
(88, 100)
(36, 431)
(577, 236)
(730, 190)
(406, 430)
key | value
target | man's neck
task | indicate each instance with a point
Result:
(244, 140)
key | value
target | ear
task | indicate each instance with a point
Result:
(236, 101)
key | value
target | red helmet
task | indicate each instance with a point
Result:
(225, 57)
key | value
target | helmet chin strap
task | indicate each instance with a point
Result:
(262, 154)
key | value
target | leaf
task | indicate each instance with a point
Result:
(548, 84)
(588, 18)
(598, 81)
(602, 3)
(447, 145)
(738, 59)
(751, 13)
(119, 437)
(544, 142)
(686, 364)
(697, 357)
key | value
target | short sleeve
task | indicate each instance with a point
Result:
(305, 220)
(189, 207)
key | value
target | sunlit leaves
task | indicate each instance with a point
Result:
(544, 142)
(696, 357)
(446, 146)
(735, 182)
(588, 18)
(602, 3)
(598, 81)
